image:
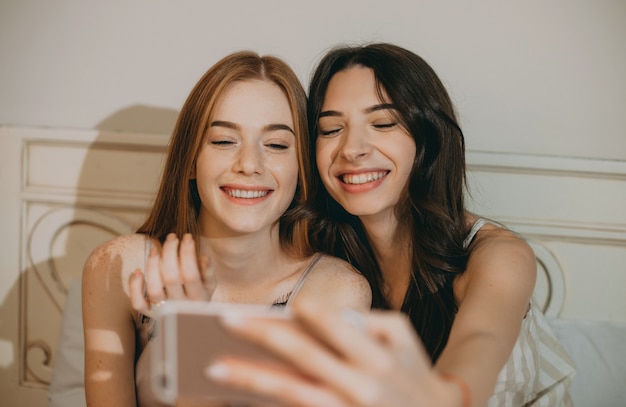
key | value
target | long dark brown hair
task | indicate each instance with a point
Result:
(177, 203)
(432, 206)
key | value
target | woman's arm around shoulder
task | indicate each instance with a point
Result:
(108, 321)
(493, 296)
(336, 283)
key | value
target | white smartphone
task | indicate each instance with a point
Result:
(189, 336)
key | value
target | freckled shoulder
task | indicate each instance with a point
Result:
(336, 281)
(113, 261)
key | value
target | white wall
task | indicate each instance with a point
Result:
(528, 76)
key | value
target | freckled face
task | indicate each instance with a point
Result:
(364, 155)
(247, 167)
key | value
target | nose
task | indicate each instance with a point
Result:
(249, 160)
(354, 145)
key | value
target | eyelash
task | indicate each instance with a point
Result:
(385, 125)
(221, 142)
(273, 146)
(328, 132)
(382, 126)
(277, 146)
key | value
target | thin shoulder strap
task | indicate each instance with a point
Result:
(475, 228)
(296, 289)
(147, 248)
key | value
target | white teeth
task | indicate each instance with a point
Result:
(247, 194)
(362, 178)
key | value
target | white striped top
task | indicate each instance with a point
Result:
(539, 371)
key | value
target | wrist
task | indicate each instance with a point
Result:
(463, 390)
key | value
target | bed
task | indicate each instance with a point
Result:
(571, 210)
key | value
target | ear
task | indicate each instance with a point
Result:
(192, 171)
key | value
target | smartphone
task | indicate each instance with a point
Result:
(189, 335)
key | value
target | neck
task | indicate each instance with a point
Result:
(391, 247)
(244, 260)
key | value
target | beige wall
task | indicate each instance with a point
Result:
(528, 76)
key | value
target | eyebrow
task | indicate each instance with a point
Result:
(235, 126)
(371, 109)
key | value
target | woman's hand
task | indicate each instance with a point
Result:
(175, 273)
(346, 359)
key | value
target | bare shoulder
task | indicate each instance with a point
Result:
(115, 259)
(336, 269)
(494, 243)
(335, 280)
(500, 257)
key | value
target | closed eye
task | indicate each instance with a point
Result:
(384, 126)
(276, 146)
(331, 132)
(222, 142)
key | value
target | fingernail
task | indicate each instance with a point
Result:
(217, 371)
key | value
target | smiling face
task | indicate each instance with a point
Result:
(247, 168)
(364, 155)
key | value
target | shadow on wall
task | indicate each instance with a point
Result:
(141, 119)
(59, 235)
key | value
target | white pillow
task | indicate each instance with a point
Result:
(67, 386)
(599, 353)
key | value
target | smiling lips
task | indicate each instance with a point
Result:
(362, 178)
(246, 193)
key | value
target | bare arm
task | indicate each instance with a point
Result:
(493, 295)
(108, 327)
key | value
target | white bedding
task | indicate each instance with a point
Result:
(599, 352)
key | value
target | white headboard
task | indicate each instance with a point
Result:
(65, 192)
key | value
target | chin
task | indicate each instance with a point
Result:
(365, 209)
(361, 210)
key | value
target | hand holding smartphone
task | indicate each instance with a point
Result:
(190, 336)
